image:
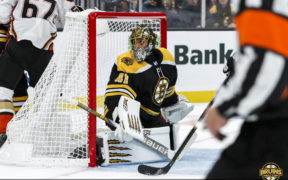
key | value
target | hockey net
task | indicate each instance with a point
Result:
(49, 130)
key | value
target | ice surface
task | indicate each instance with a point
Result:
(195, 164)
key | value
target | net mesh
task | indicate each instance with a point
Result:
(48, 129)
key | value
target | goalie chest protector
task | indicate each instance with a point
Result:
(142, 82)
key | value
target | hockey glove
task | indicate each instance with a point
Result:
(178, 111)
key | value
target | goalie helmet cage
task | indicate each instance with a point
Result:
(51, 131)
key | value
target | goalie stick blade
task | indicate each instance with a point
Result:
(152, 171)
(148, 170)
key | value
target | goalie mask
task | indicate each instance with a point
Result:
(143, 40)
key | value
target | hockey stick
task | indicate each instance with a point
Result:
(151, 143)
(149, 170)
(205, 110)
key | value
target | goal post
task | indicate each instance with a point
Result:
(49, 130)
(92, 26)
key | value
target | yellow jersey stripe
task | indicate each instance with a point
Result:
(117, 94)
(149, 111)
(123, 86)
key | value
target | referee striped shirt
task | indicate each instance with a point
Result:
(258, 90)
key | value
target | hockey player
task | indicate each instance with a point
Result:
(258, 93)
(20, 94)
(30, 46)
(148, 75)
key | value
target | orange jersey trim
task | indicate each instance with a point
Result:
(263, 29)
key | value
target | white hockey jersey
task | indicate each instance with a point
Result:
(34, 20)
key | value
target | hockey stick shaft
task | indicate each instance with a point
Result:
(182, 149)
(205, 110)
(86, 108)
(151, 143)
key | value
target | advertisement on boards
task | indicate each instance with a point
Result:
(200, 57)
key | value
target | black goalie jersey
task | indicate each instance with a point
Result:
(151, 82)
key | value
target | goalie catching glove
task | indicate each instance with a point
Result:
(178, 111)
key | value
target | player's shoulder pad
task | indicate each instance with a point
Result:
(127, 63)
(167, 56)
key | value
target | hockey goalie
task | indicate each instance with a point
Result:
(140, 98)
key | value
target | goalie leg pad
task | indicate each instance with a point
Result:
(116, 152)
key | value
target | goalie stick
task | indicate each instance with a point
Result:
(149, 170)
(151, 143)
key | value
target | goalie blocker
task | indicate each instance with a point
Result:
(125, 148)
